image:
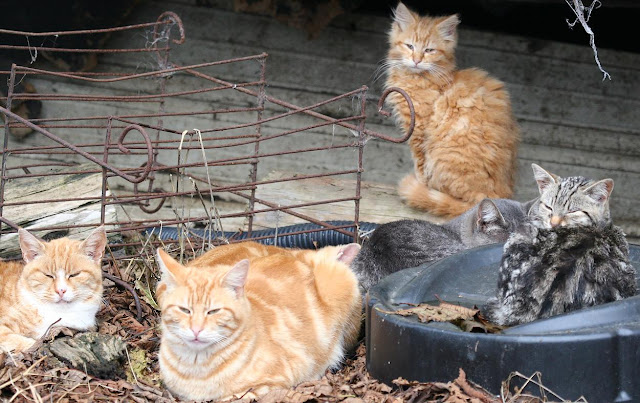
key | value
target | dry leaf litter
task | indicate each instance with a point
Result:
(118, 363)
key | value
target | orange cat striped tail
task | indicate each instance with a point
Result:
(418, 195)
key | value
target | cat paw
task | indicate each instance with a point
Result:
(16, 343)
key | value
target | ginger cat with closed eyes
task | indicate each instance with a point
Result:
(246, 318)
(60, 284)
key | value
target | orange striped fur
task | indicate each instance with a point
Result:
(465, 140)
(246, 318)
(60, 285)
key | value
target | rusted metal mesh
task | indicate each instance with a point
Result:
(131, 146)
(139, 148)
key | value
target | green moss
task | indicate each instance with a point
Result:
(139, 364)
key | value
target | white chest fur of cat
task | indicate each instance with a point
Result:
(59, 285)
(75, 314)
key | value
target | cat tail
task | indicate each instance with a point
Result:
(418, 195)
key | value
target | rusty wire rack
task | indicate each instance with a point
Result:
(120, 148)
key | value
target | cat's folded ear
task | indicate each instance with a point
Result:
(30, 245)
(489, 214)
(95, 243)
(172, 272)
(544, 178)
(600, 191)
(236, 278)
(403, 16)
(449, 28)
(347, 253)
(529, 206)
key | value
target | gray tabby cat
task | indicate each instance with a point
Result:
(409, 243)
(567, 256)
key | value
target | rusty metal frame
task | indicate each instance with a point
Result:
(118, 136)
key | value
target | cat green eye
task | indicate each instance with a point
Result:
(213, 311)
(410, 46)
(184, 310)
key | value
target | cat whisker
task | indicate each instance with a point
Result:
(440, 73)
(385, 66)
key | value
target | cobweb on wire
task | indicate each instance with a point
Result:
(582, 15)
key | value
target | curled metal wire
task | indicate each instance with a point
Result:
(149, 164)
(385, 113)
(170, 15)
(121, 147)
(162, 54)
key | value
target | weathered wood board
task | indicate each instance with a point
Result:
(32, 215)
(379, 202)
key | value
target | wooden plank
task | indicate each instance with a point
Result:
(497, 53)
(379, 203)
(556, 142)
(32, 215)
(569, 103)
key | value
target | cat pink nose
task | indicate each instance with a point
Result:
(555, 221)
(61, 291)
(196, 331)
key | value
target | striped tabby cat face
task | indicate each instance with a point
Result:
(63, 271)
(571, 202)
(422, 43)
(201, 309)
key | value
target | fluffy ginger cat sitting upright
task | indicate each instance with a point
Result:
(60, 284)
(465, 140)
(246, 318)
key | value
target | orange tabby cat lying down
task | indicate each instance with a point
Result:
(60, 283)
(465, 140)
(246, 318)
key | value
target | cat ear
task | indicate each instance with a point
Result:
(448, 28)
(488, 213)
(95, 243)
(237, 277)
(31, 246)
(347, 253)
(600, 191)
(172, 271)
(403, 16)
(527, 206)
(543, 177)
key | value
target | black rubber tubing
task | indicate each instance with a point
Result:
(286, 236)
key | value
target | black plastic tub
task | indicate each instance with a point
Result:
(594, 352)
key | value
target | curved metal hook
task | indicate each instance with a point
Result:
(381, 111)
(170, 15)
(148, 165)
(150, 210)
